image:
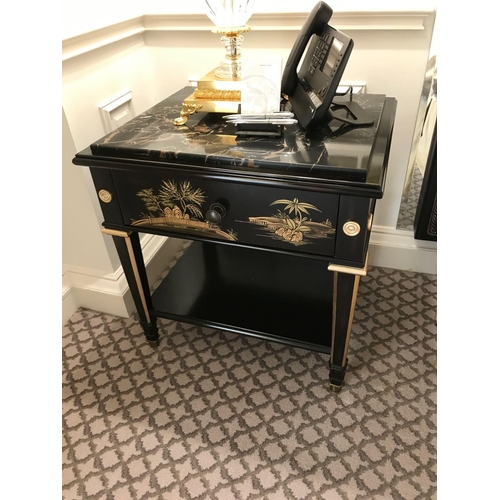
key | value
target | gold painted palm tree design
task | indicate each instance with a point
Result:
(291, 224)
(178, 205)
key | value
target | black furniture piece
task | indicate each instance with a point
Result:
(280, 226)
(425, 224)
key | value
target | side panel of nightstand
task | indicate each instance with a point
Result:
(108, 198)
(352, 228)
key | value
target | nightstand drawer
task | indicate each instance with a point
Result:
(236, 211)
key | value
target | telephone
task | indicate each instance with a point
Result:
(312, 87)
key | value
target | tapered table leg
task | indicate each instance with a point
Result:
(129, 251)
(345, 292)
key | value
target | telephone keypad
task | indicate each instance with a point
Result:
(320, 52)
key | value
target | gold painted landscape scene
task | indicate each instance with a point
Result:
(180, 205)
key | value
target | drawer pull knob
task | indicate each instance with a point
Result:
(215, 213)
(351, 228)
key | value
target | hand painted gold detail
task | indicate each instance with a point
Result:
(178, 205)
(291, 225)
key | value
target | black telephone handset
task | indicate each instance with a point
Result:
(312, 87)
(314, 24)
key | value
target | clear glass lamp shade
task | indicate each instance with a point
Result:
(229, 13)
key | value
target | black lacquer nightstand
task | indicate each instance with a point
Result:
(280, 225)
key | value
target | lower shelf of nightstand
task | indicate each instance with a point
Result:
(267, 295)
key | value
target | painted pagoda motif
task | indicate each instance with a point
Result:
(291, 224)
(178, 205)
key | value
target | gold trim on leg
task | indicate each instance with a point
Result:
(334, 313)
(351, 316)
(360, 271)
(115, 232)
(135, 268)
(357, 272)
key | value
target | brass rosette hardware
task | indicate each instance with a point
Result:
(351, 228)
(105, 196)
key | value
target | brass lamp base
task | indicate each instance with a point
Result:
(212, 95)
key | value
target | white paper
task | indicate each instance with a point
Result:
(260, 85)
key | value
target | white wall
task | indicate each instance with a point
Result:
(92, 275)
(389, 62)
(155, 54)
(81, 245)
(79, 16)
(82, 16)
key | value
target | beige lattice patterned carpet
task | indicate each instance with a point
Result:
(214, 415)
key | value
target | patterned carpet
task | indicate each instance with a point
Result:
(214, 415)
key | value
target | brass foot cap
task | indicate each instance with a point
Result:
(335, 388)
(154, 343)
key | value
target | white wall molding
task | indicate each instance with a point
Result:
(87, 42)
(99, 294)
(117, 110)
(283, 21)
(292, 21)
(109, 293)
(398, 249)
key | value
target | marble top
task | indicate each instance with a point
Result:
(336, 152)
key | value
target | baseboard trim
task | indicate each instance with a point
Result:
(118, 304)
(69, 303)
(109, 293)
(398, 249)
